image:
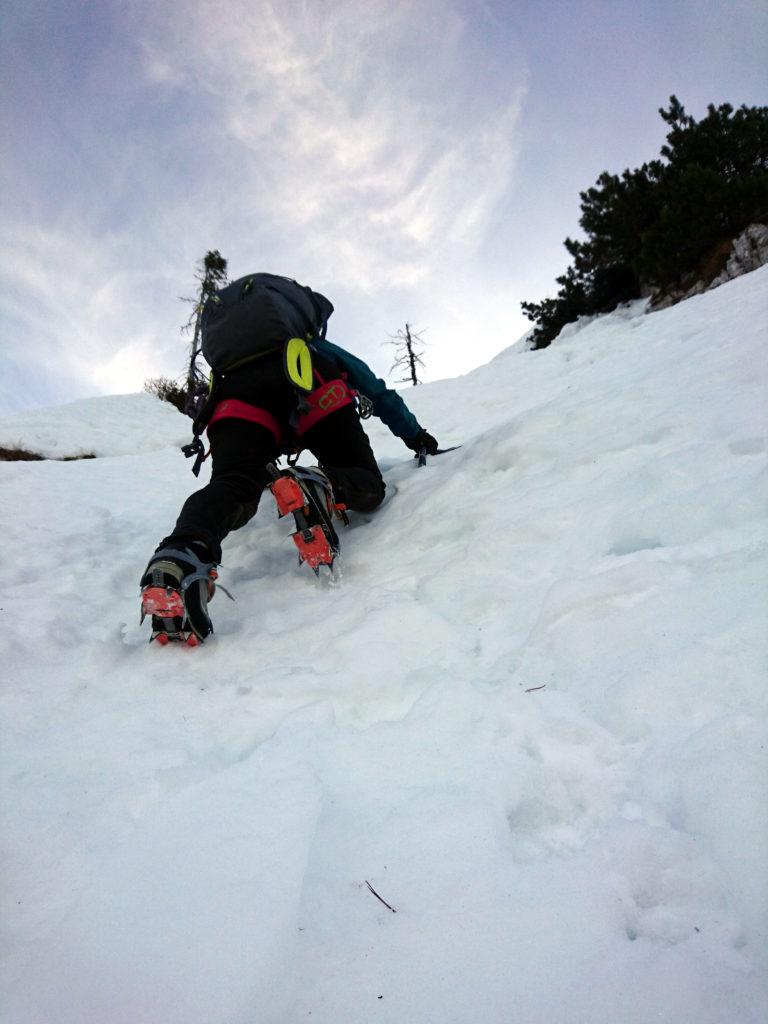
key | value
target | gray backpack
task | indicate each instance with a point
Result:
(258, 314)
(242, 321)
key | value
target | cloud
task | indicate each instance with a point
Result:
(363, 147)
(365, 136)
(73, 310)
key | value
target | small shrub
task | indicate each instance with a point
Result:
(168, 390)
(19, 454)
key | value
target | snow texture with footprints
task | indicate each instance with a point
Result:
(529, 711)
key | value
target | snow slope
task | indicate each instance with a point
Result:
(117, 425)
(530, 713)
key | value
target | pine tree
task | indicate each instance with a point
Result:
(211, 274)
(649, 228)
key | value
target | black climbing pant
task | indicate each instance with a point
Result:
(240, 451)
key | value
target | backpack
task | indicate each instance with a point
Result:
(259, 314)
(249, 318)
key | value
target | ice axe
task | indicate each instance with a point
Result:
(421, 454)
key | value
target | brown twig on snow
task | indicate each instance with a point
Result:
(534, 688)
(379, 897)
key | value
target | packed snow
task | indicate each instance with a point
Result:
(529, 712)
(117, 425)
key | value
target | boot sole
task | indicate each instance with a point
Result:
(314, 548)
(314, 544)
(165, 604)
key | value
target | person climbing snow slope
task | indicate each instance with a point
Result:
(278, 387)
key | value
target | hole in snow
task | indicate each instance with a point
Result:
(631, 545)
(748, 446)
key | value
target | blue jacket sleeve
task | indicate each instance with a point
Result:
(387, 404)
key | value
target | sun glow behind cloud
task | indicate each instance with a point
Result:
(77, 303)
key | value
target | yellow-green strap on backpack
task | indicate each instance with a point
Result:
(297, 361)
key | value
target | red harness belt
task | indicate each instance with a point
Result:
(233, 408)
(329, 397)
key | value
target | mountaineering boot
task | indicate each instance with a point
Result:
(175, 590)
(307, 493)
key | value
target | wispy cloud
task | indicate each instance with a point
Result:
(362, 133)
(74, 307)
(367, 147)
(360, 146)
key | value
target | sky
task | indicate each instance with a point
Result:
(418, 162)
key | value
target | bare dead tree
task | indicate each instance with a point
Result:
(406, 356)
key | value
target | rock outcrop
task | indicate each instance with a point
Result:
(727, 260)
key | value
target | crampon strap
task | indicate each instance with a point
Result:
(202, 569)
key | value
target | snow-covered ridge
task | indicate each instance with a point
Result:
(531, 713)
(111, 425)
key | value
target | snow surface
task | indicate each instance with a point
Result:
(530, 713)
(116, 425)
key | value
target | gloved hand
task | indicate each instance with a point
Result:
(423, 440)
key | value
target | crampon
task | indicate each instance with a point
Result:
(307, 494)
(175, 591)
